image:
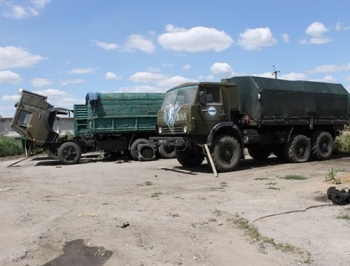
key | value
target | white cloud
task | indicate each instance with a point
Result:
(82, 70)
(339, 26)
(289, 76)
(54, 93)
(9, 77)
(19, 9)
(174, 81)
(221, 69)
(293, 76)
(105, 45)
(285, 37)
(71, 81)
(330, 68)
(316, 32)
(139, 42)
(111, 75)
(186, 67)
(329, 79)
(40, 82)
(196, 39)
(255, 39)
(17, 57)
(10, 98)
(208, 77)
(159, 79)
(140, 89)
(147, 77)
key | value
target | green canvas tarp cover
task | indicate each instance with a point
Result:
(276, 99)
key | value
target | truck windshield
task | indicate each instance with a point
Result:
(180, 96)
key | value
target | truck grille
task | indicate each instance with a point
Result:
(166, 130)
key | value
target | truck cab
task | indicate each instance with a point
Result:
(197, 114)
(34, 118)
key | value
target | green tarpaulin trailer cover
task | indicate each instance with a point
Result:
(274, 100)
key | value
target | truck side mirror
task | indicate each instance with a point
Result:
(202, 98)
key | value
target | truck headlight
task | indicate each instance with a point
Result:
(185, 129)
(160, 130)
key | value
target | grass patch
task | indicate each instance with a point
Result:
(342, 142)
(294, 177)
(148, 183)
(156, 194)
(217, 212)
(261, 178)
(331, 177)
(255, 236)
(223, 184)
(344, 217)
(10, 146)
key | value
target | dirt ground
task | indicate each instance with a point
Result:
(158, 213)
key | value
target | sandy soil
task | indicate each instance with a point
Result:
(158, 213)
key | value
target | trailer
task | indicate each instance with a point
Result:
(112, 123)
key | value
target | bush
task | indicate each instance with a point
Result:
(342, 142)
(10, 146)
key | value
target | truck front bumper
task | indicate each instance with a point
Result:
(167, 141)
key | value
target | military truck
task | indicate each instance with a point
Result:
(108, 122)
(294, 120)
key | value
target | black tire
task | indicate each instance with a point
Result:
(259, 153)
(322, 145)
(298, 149)
(189, 156)
(69, 153)
(134, 152)
(146, 153)
(52, 154)
(167, 152)
(226, 153)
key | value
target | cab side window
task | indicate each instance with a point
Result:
(213, 95)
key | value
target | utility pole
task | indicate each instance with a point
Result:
(275, 72)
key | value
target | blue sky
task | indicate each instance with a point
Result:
(65, 49)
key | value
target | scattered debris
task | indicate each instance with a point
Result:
(5, 189)
(124, 225)
(339, 197)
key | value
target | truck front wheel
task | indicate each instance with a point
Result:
(298, 149)
(189, 156)
(322, 145)
(226, 153)
(69, 153)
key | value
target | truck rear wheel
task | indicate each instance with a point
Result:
(226, 153)
(298, 149)
(322, 145)
(134, 150)
(69, 153)
(167, 152)
(259, 153)
(189, 156)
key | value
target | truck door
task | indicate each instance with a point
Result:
(214, 110)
